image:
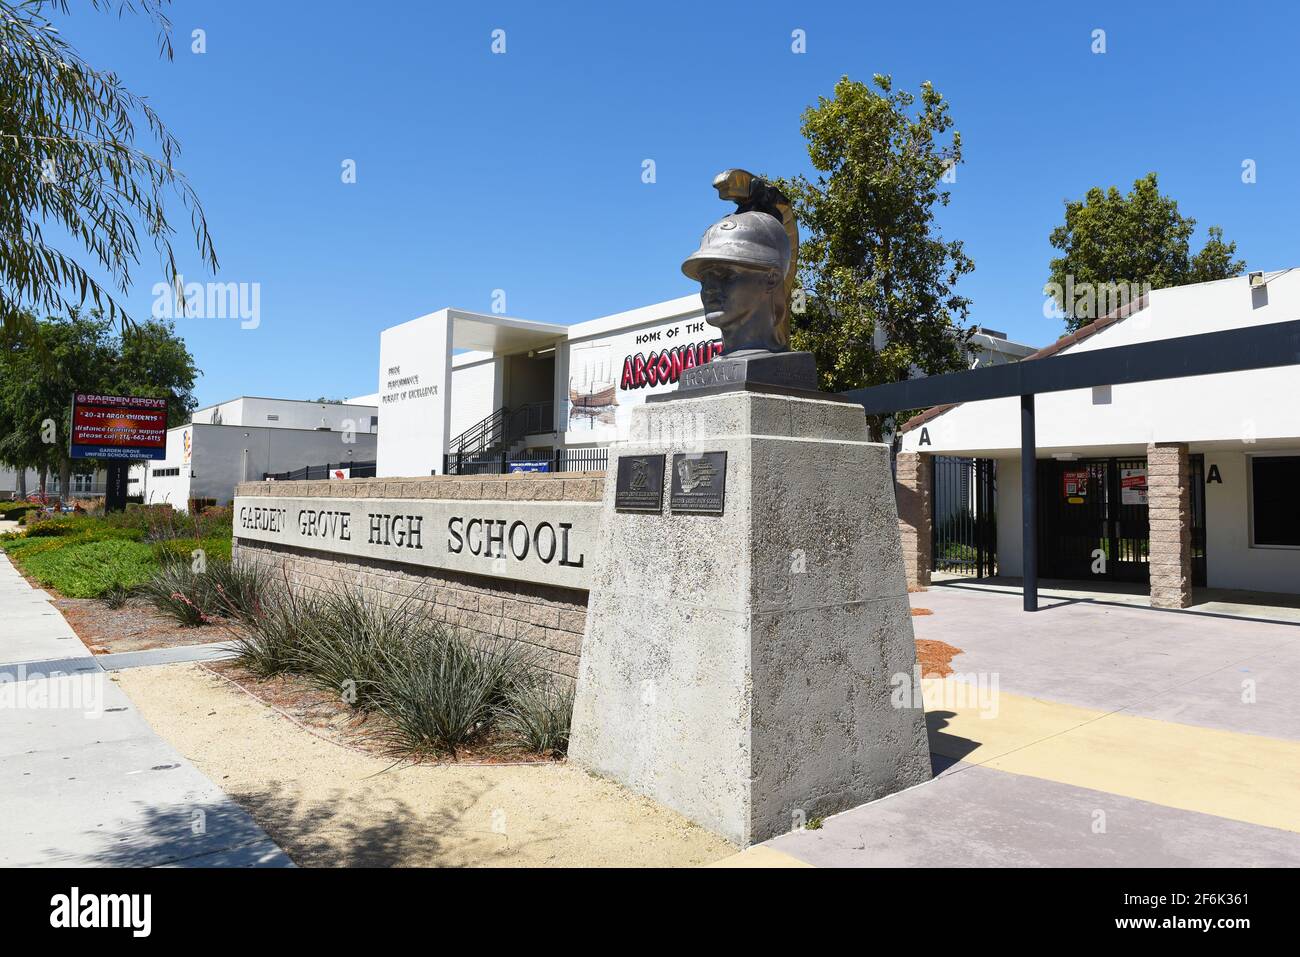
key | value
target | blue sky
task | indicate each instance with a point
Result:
(522, 171)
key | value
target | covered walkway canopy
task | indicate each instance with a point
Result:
(1232, 350)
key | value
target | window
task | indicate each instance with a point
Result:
(163, 473)
(272, 417)
(1275, 500)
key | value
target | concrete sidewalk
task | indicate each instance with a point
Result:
(86, 781)
(1213, 602)
(1232, 674)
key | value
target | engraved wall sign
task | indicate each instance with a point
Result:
(640, 485)
(699, 483)
(550, 543)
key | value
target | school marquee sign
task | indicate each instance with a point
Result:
(549, 543)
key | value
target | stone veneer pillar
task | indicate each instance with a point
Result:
(1170, 513)
(914, 479)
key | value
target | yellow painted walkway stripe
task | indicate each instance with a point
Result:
(1244, 777)
(760, 856)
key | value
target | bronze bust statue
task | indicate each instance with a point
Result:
(746, 268)
(746, 264)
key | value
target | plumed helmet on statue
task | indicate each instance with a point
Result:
(760, 234)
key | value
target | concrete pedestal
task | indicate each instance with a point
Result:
(737, 668)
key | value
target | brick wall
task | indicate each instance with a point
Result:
(1170, 514)
(912, 487)
(547, 620)
(522, 486)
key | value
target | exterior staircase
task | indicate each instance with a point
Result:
(503, 428)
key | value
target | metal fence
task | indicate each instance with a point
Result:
(964, 521)
(354, 470)
(501, 463)
(1197, 487)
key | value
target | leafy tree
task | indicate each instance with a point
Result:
(153, 360)
(35, 386)
(81, 353)
(877, 275)
(21, 429)
(1115, 246)
(68, 158)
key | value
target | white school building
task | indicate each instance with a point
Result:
(1224, 448)
(245, 438)
(466, 391)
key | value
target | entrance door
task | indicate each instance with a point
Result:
(1092, 519)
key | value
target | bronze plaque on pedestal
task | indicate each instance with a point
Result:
(699, 483)
(640, 484)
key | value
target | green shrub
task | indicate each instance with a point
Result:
(182, 549)
(79, 527)
(270, 637)
(50, 527)
(197, 597)
(13, 511)
(87, 569)
(536, 714)
(441, 692)
(18, 545)
(179, 593)
(342, 650)
(72, 554)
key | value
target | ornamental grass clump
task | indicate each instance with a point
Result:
(268, 634)
(434, 691)
(536, 713)
(342, 648)
(235, 590)
(177, 592)
(216, 588)
(116, 595)
(441, 692)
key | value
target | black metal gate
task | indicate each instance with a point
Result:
(1197, 480)
(964, 539)
(1093, 521)
(1089, 526)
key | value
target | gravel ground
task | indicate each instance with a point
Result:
(330, 806)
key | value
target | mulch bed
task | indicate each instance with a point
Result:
(137, 626)
(134, 627)
(935, 657)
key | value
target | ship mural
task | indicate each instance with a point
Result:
(593, 393)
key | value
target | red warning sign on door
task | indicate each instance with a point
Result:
(1074, 486)
(1133, 486)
